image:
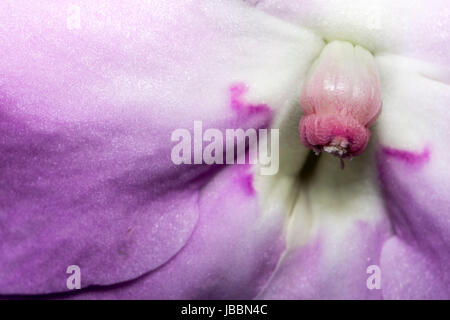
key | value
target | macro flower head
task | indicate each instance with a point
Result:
(91, 93)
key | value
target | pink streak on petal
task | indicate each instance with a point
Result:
(237, 103)
(245, 181)
(409, 157)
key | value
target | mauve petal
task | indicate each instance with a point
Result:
(409, 194)
(231, 254)
(413, 165)
(416, 188)
(419, 29)
(415, 180)
(337, 228)
(86, 118)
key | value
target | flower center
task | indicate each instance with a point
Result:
(337, 147)
(341, 99)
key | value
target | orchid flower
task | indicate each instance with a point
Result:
(91, 91)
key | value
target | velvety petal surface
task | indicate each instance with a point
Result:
(418, 28)
(86, 177)
(415, 180)
(231, 254)
(335, 232)
(389, 208)
(86, 116)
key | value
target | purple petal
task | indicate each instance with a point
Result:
(413, 171)
(86, 117)
(419, 30)
(231, 254)
(413, 179)
(337, 231)
(416, 259)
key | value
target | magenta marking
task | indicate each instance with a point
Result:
(247, 184)
(237, 92)
(409, 157)
(244, 179)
